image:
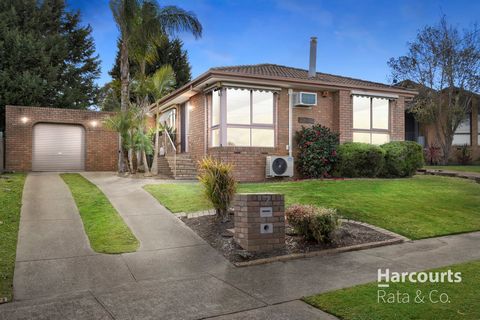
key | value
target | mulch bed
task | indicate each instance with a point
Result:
(217, 235)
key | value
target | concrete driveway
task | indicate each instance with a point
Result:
(175, 274)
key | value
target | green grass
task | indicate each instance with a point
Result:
(104, 227)
(456, 168)
(418, 207)
(181, 197)
(10, 205)
(361, 302)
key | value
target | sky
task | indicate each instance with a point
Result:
(356, 38)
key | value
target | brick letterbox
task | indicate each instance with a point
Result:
(260, 221)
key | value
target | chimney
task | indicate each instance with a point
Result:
(312, 70)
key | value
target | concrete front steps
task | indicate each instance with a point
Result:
(186, 168)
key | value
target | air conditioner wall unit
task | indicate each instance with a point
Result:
(279, 166)
(304, 99)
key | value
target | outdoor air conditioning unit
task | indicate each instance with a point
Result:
(279, 166)
(306, 99)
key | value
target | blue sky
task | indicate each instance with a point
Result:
(355, 38)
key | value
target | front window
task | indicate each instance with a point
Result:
(371, 120)
(215, 109)
(462, 134)
(169, 118)
(245, 118)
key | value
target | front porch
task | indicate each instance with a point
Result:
(174, 160)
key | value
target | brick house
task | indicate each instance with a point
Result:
(467, 133)
(244, 114)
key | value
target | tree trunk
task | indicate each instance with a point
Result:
(124, 77)
(124, 97)
(130, 161)
(125, 161)
(446, 148)
(120, 164)
(444, 142)
(135, 163)
(145, 165)
(157, 145)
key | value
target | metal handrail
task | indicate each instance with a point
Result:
(167, 135)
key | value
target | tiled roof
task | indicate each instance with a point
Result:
(274, 70)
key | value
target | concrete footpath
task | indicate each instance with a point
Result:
(175, 274)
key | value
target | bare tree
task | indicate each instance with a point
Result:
(445, 63)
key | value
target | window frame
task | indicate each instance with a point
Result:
(372, 130)
(223, 126)
(210, 119)
(469, 133)
(171, 114)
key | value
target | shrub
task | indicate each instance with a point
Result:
(219, 185)
(464, 154)
(402, 158)
(317, 151)
(312, 222)
(433, 154)
(357, 160)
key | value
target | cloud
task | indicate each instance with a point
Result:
(218, 58)
(310, 11)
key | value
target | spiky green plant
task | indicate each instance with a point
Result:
(219, 184)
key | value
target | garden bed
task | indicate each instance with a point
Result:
(420, 207)
(351, 235)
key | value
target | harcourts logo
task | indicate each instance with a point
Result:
(386, 277)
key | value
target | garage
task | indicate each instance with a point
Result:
(58, 147)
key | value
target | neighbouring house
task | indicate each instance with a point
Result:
(468, 132)
(245, 114)
(54, 139)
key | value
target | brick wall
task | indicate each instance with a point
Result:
(345, 115)
(101, 143)
(197, 127)
(249, 162)
(397, 120)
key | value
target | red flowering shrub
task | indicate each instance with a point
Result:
(317, 147)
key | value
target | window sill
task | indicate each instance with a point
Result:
(243, 149)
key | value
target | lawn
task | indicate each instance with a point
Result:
(418, 207)
(11, 187)
(361, 302)
(456, 168)
(104, 227)
(181, 197)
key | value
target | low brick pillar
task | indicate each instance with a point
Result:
(259, 221)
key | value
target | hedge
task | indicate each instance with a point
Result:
(396, 159)
(402, 159)
(356, 160)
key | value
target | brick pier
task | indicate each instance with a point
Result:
(260, 221)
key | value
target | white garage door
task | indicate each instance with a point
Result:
(58, 147)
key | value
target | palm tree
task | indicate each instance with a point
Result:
(124, 13)
(141, 23)
(122, 122)
(148, 90)
(160, 84)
